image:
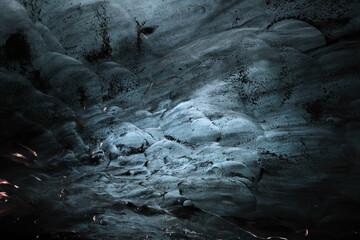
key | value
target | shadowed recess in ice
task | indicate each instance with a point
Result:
(130, 119)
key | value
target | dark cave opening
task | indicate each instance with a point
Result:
(15, 49)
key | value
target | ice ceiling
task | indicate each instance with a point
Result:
(192, 119)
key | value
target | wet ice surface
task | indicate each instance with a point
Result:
(179, 120)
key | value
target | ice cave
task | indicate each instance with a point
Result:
(180, 119)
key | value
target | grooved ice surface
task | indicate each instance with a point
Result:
(129, 119)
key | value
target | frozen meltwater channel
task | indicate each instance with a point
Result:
(129, 119)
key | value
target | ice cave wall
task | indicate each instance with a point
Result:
(248, 109)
